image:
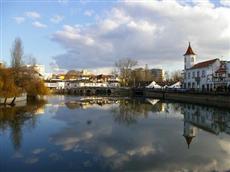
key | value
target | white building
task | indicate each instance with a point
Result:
(208, 75)
(56, 84)
(39, 69)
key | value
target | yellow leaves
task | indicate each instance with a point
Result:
(7, 84)
(12, 83)
(36, 87)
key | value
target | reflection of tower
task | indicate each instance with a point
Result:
(189, 132)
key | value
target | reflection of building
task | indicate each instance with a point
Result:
(209, 119)
(88, 102)
(159, 106)
(189, 132)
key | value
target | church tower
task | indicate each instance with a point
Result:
(189, 58)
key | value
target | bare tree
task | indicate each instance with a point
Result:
(124, 67)
(176, 76)
(32, 61)
(16, 53)
(167, 76)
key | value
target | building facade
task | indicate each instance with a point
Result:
(158, 74)
(209, 75)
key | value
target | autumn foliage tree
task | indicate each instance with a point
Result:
(20, 78)
(7, 84)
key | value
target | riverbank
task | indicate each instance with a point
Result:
(218, 100)
(13, 100)
(208, 98)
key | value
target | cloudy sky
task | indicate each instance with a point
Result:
(92, 35)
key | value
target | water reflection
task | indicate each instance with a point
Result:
(130, 109)
(14, 118)
(210, 119)
(118, 134)
(89, 102)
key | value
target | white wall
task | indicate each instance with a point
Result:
(204, 79)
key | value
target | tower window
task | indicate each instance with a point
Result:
(192, 59)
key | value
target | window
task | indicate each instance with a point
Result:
(192, 59)
(193, 74)
(188, 75)
(203, 73)
(198, 74)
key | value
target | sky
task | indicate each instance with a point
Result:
(93, 35)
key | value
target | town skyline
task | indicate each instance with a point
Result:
(93, 35)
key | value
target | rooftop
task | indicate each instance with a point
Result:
(204, 64)
(189, 51)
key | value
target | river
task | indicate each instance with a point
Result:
(67, 133)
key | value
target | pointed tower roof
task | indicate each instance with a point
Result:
(188, 139)
(189, 50)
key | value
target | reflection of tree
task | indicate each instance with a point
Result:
(129, 109)
(15, 117)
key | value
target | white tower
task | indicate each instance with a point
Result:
(189, 58)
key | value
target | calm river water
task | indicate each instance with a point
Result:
(66, 133)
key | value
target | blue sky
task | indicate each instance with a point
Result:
(37, 41)
(94, 34)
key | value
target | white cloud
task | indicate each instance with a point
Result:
(225, 2)
(19, 20)
(148, 31)
(56, 19)
(89, 13)
(38, 24)
(38, 151)
(32, 14)
(141, 151)
(108, 151)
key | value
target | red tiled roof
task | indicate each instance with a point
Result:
(203, 64)
(189, 51)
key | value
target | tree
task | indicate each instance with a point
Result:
(124, 67)
(32, 61)
(17, 53)
(176, 76)
(7, 84)
(167, 76)
(72, 74)
(36, 87)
